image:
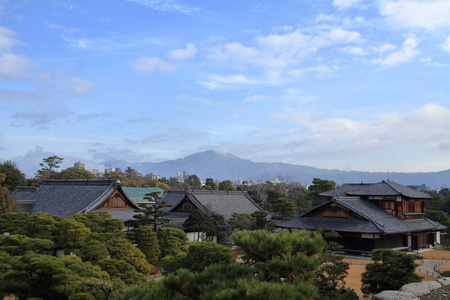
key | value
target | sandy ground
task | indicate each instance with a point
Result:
(443, 268)
(353, 279)
(436, 254)
(357, 267)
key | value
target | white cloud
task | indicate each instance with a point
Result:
(255, 98)
(429, 14)
(79, 86)
(176, 133)
(182, 54)
(322, 69)
(386, 47)
(6, 39)
(14, 66)
(342, 4)
(170, 6)
(110, 44)
(424, 130)
(358, 51)
(148, 65)
(224, 81)
(41, 116)
(428, 62)
(319, 70)
(407, 53)
(281, 50)
(446, 45)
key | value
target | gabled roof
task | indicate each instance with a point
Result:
(374, 220)
(342, 190)
(68, 197)
(137, 194)
(384, 188)
(224, 203)
(173, 198)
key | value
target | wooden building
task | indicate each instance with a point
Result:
(371, 216)
(68, 197)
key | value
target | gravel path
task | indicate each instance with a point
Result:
(429, 265)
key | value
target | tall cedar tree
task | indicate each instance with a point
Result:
(152, 213)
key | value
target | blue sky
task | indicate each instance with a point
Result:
(343, 84)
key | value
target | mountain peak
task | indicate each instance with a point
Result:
(215, 154)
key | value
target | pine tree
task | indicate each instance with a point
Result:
(146, 240)
(152, 213)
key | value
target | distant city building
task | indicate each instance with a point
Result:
(153, 176)
(185, 174)
(79, 165)
(118, 170)
(237, 182)
(95, 172)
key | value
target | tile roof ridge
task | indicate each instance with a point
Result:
(389, 183)
(112, 187)
(106, 181)
(194, 199)
(368, 218)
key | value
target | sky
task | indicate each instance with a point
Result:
(336, 84)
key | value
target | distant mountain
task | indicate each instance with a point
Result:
(228, 166)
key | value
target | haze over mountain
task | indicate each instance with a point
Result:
(223, 166)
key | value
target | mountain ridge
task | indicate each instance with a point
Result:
(227, 166)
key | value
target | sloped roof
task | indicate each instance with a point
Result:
(374, 220)
(68, 197)
(384, 188)
(137, 194)
(24, 194)
(342, 190)
(224, 203)
(173, 198)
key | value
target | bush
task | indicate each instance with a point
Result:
(390, 271)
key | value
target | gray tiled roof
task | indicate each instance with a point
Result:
(68, 197)
(342, 190)
(389, 188)
(173, 198)
(224, 203)
(384, 188)
(374, 220)
(329, 224)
